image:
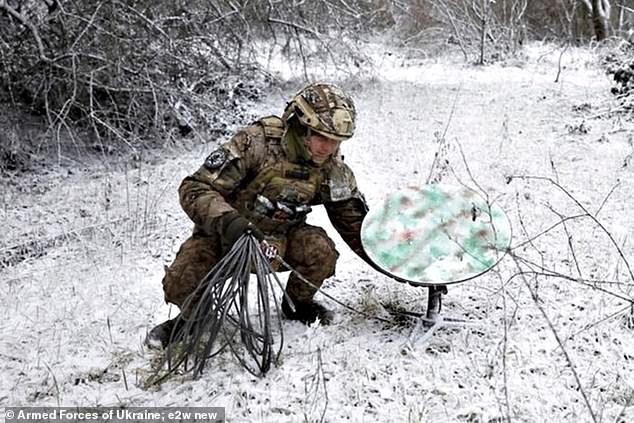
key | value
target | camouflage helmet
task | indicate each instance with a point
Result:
(325, 109)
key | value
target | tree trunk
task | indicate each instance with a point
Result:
(601, 18)
(484, 11)
(582, 15)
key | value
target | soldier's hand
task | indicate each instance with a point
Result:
(234, 225)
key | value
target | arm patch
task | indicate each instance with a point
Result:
(216, 159)
(339, 191)
(340, 184)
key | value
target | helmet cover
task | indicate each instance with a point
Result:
(325, 109)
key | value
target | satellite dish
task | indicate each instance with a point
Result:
(436, 234)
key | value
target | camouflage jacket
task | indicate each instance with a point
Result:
(252, 174)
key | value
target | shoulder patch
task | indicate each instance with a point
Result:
(216, 159)
(339, 192)
(341, 183)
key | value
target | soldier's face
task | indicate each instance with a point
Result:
(321, 147)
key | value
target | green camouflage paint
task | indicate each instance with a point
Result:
(436, 234)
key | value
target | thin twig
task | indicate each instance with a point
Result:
(559, 61)
(547, 230)
(587, 213)
(507, 400)
(605, 199)
(443, 139)
(543, 271)
(34, 32)
(571, 365)
(569, 240)
(295, 26)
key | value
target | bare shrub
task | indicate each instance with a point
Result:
(112, 74)
(619, 63)
(580, 20)
(489, 30)
(482, 30)
(123, 70)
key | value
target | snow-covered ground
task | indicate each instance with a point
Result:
(74, 319)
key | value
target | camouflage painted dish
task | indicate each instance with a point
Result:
(436, 234)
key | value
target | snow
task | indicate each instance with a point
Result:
(74, 319)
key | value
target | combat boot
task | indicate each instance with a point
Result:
(159, 337)
(308, 312)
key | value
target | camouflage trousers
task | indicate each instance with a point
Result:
(306, 248)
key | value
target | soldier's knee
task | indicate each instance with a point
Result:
(325, 253)
(175, 287)
(320, 252)
(192, 262)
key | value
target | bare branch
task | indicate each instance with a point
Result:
(571, 365)
(593, 284)
(605, 200)
(34, 31)
(587, 213)
(296, 26)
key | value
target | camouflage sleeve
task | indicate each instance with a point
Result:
(204, 195)
(344, 203)
(346, 208)
(347, 216)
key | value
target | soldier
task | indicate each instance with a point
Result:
(265, 179)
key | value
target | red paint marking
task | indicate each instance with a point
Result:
(407, 235)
